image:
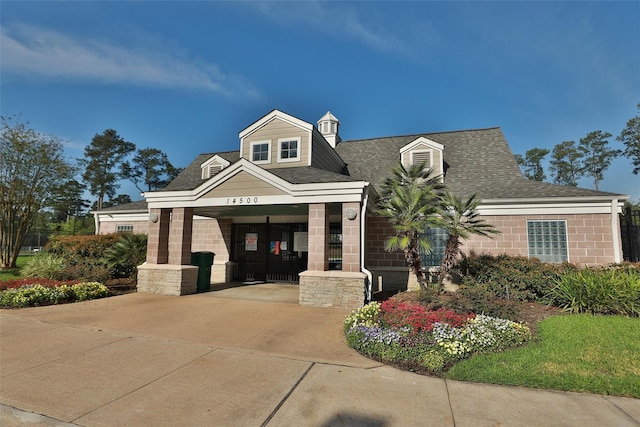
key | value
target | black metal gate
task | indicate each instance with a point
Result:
(630, 233)
(265, 252)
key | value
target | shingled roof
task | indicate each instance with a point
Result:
(476, 161)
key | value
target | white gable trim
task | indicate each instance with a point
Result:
(275, 114)
(422, 141)
(216, 159)
(293, 193)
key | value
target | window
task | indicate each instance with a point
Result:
(438, 238)
(261, 152)
(124, 228)
(289, 150)
(547, 240)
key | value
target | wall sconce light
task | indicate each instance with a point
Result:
(153, 218)
(351, 213)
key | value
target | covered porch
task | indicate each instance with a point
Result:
(262, 227)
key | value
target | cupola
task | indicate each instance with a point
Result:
(328, 126)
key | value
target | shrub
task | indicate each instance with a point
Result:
(84, 255)
(511, 278)
(470, 299)
(126, 254)
(44, 264)
(612, 290)
(85, 272)
(37, 295)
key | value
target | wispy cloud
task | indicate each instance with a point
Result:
(343, 21)
(37, 52)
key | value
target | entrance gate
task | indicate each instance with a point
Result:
(265, 252)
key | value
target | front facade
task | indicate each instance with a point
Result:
(296, 204)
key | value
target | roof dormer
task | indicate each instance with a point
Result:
(424, 150)
(328, 126)
(212, 166)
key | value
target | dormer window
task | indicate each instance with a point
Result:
(289, 150)
(424, 150)
(212, 166)
(261, 152)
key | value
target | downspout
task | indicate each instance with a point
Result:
(97, 222)
(363, 233)
(615, 231)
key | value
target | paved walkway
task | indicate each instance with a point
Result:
(236, 358)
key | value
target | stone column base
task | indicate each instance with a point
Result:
(167, 279)
(332, 289)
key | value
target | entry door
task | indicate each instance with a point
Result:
(265, 252)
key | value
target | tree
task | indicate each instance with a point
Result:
(69, 202)
(597, 155)
(630, 136)
(102, 162)
(150, 170)
(532, 163)
(33, 170)
(566, 165)
(461, 219)
(120, 199)
(410, 200)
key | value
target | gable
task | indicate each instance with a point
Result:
(277, 140)
(424, 150)
(243, 184)
(212, 166)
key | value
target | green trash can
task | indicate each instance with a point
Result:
(204, 261)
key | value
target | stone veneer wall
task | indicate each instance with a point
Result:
(332, 289)
(167, 279)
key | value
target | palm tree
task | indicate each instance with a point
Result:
(461, 219)
(127, 253)
(410, 200)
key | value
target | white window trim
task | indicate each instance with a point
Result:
(260, 162)
(290, 159)
(566, 235)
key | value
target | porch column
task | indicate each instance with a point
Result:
(180, 236)
(168, 270)
(158, 237)
(351, 237)
(318, 237)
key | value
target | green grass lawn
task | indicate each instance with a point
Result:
(582, 353)
(15, 273)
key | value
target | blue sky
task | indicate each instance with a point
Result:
(186, 77)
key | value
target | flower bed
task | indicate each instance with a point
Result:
(408, 335)
(36, 294)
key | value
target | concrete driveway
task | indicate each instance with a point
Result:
(232, 358)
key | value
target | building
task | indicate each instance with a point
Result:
(297, 204)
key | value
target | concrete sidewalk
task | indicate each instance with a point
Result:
(215, 359)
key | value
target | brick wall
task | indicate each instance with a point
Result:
(139, 227)
(590, 239)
